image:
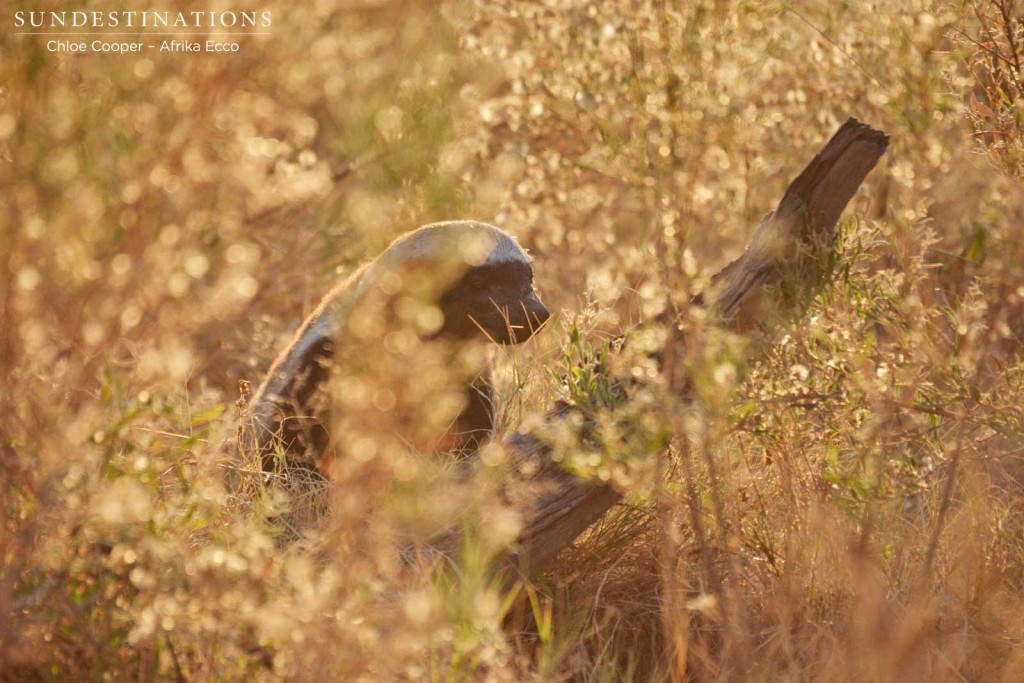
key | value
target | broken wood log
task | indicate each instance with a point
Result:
(557, 506)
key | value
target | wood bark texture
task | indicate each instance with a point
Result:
(557, 506)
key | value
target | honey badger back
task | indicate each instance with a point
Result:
(474, 275)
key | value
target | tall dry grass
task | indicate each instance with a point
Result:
(840, 500)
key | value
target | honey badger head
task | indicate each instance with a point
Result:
(488, 291)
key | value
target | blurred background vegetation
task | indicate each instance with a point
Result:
(844, 504)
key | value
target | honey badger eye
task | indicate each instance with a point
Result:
(477, 281)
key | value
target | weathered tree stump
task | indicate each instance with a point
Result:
(556, 506)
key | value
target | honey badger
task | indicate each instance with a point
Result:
(442, 284)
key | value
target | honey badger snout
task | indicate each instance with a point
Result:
(523, 318)
(535, 310)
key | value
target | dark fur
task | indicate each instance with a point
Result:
(288, 415)
(495, 300)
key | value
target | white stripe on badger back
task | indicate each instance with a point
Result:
(444, 241)
(322, 324)
(507, 250)
(281, 373)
